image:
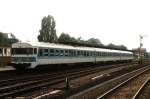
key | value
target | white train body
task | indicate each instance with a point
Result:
(31, 55)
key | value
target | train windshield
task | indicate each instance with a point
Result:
(22, 50)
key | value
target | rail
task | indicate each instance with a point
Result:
(141, 88)
(114, 88)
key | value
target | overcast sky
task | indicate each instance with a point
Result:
(111, 21)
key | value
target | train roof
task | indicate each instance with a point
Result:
(61, 46)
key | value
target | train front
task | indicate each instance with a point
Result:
(23, 56)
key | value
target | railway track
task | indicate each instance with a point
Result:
(85, 83)
(13, 87)
(130, 88)
(19, 74)
(144, 91)
(31, 77)
(104, 89)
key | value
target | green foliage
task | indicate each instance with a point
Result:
(2, 38)
(122, 47)
(94, 41)
(66, 38)
(5, 40)
(48, 31)
(48, 34)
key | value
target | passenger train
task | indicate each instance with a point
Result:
(34, 54)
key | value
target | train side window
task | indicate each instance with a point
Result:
(102, 54)
(51, 52)
(56, 52)
(90, 53)
(78, 53)
(99, 53)
(81, 53)
(66, 52)
(74, 53)
(70, 54)
(87, 53)
(40, 52)
(110, 54)
(106, 53)
(45, 52)
(84, 53)
(61, 53)
(93, 53)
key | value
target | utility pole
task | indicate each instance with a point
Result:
(140, 49)
(67, 81)
(140, 58)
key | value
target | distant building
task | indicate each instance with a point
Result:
(138, 51)
(5, 54)
(6, 39)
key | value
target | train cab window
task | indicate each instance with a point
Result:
(35, 51)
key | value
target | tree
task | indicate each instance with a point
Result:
(122, 47)
(2, 38)
(7, 38)
(111, 45)
(94, 41)
(48, 31)
(66, 38)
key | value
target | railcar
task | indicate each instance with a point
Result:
(33, 54)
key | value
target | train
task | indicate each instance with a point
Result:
(25, 55)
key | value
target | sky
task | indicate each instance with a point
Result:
(111, 21)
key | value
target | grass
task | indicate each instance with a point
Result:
(4, 68)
